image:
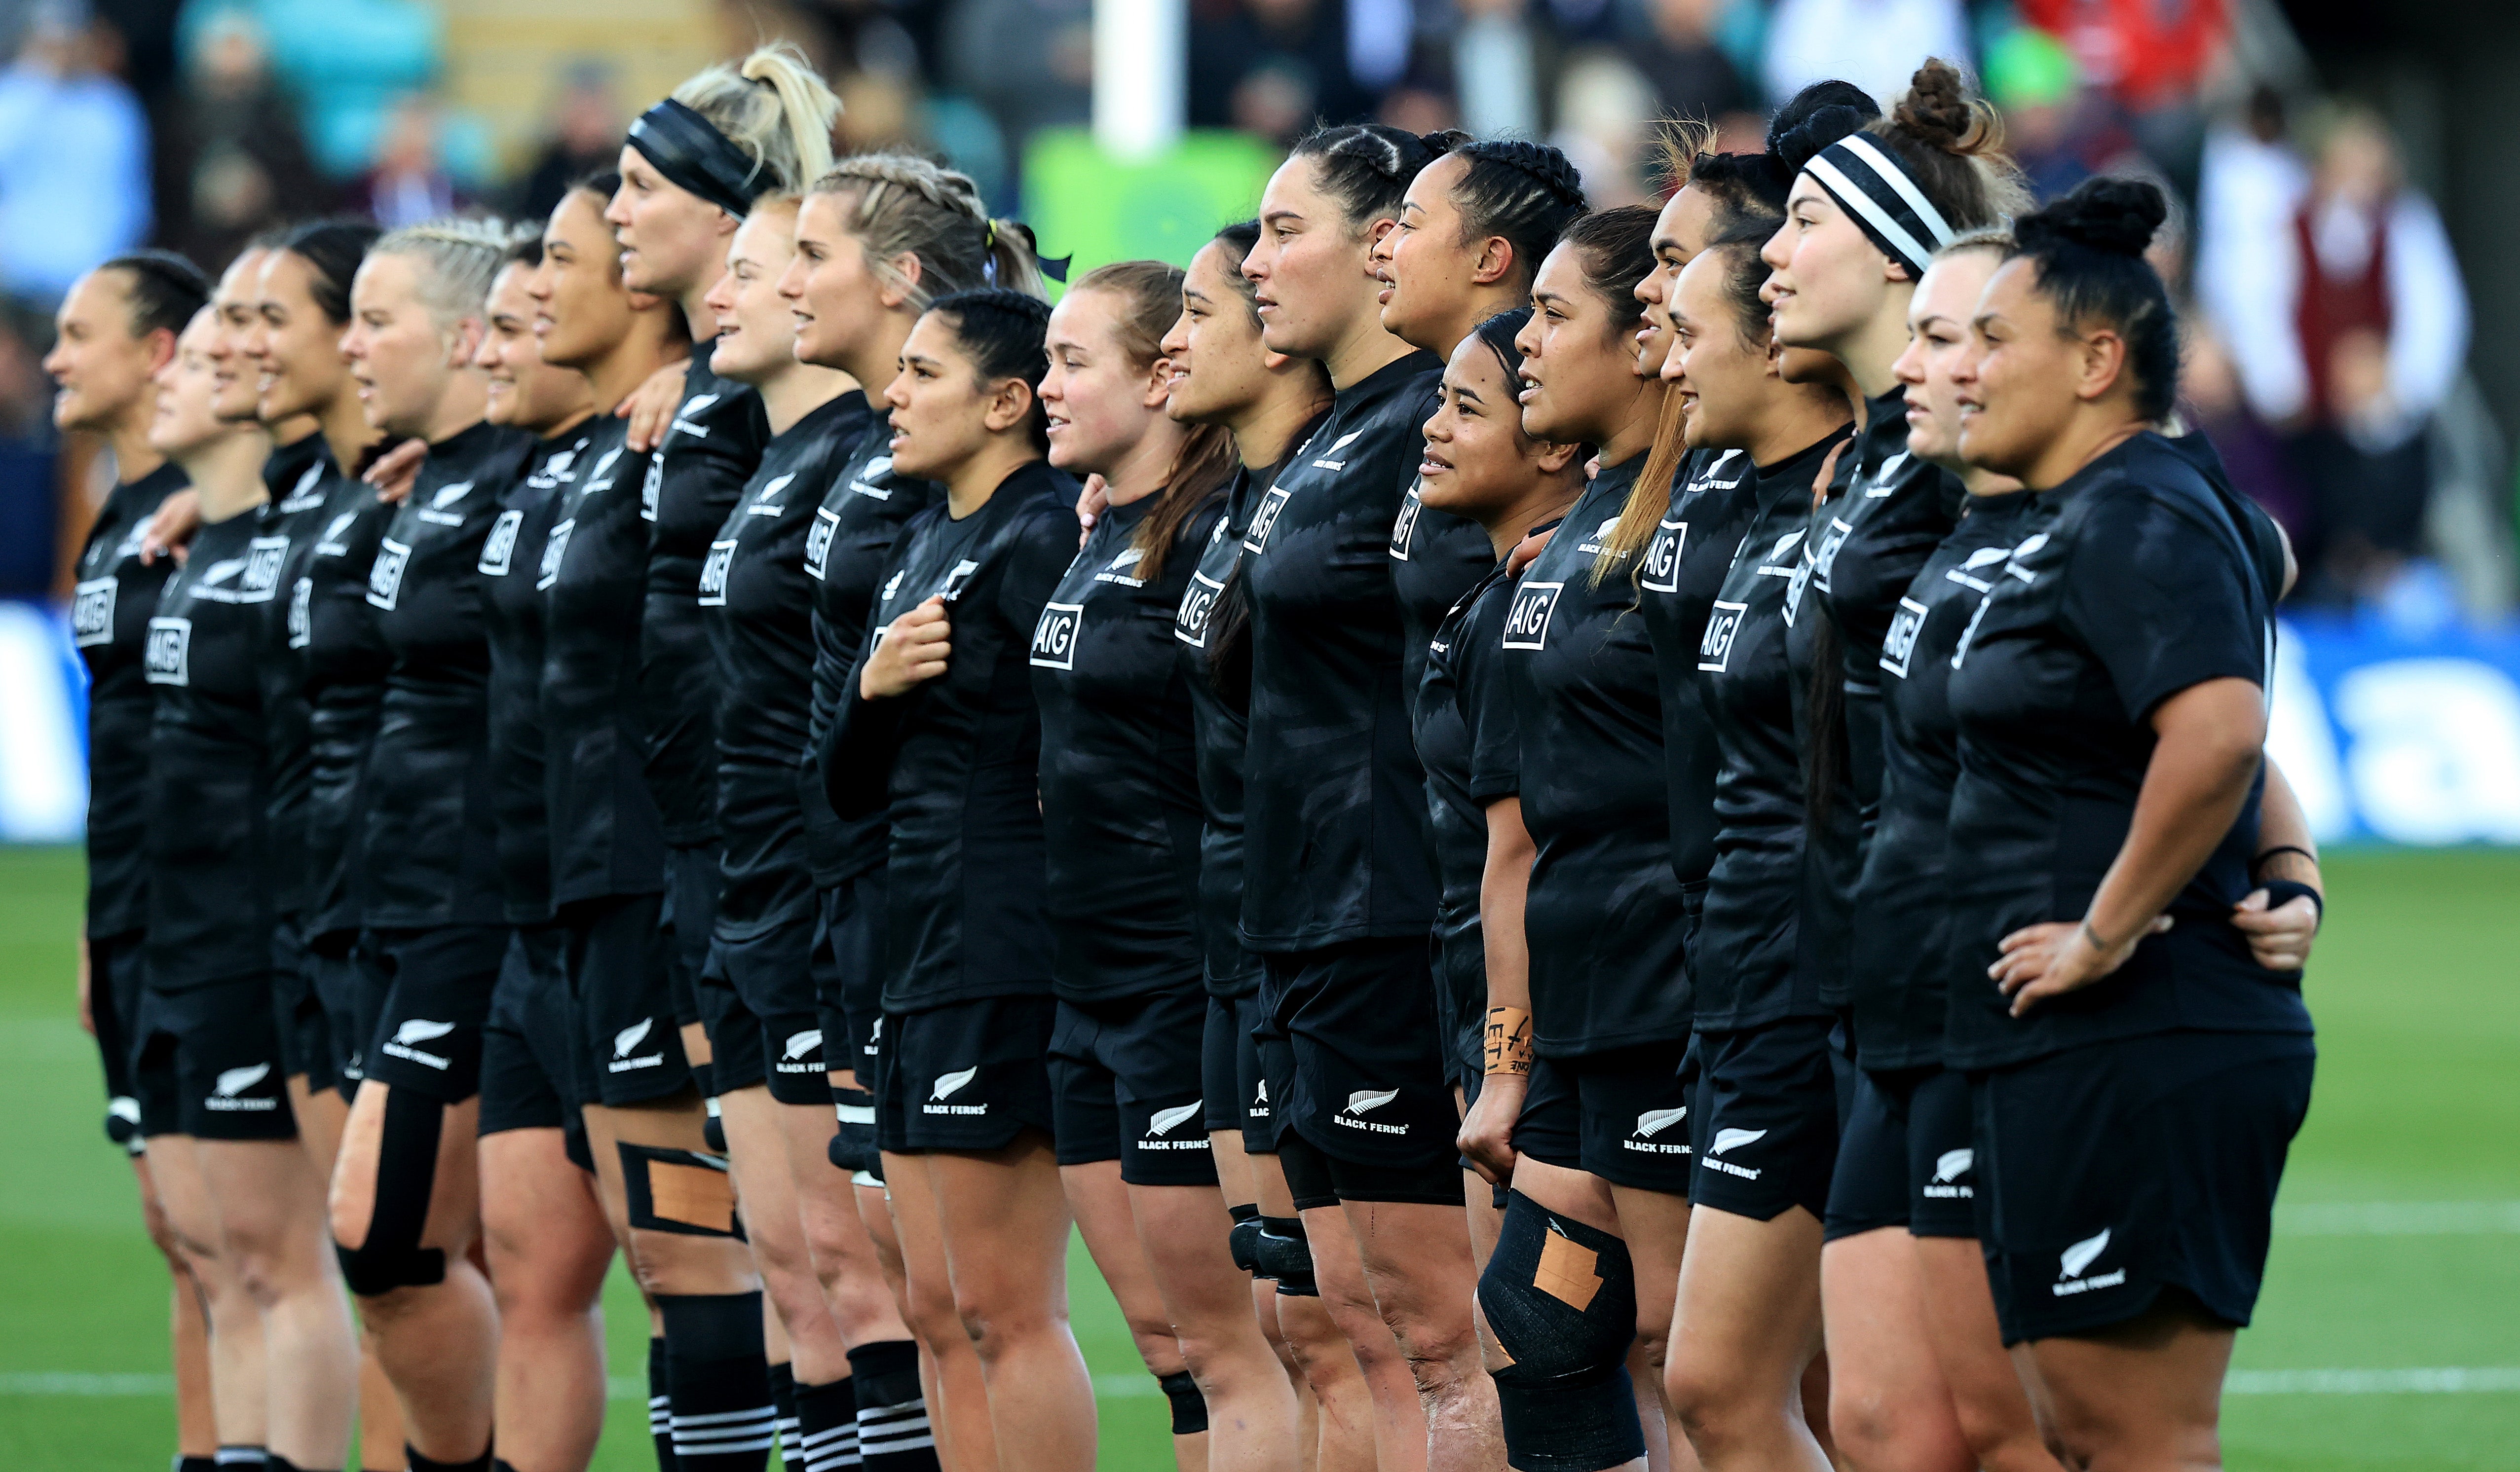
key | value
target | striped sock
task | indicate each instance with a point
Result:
(783, 1400)
(239, 1460)
(893, 1432)
(660, 1415)
(723, 1417)
(827, 1418)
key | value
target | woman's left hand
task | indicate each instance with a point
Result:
(2050, 959)
(2279, 938)
(395, 470)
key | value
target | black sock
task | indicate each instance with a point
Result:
(660, 1415)
(783, 1400)
(826, 1425)
(183, 1463)
(723, 1419)
(279, 1463)
(413, 1461)
(236, 1460)
(894, 1434)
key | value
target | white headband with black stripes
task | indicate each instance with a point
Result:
(1872, 186)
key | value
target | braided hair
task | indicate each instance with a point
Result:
(456, 261)
(1003, 332)
(1367, 166)
(1528, 192)
(909, 205)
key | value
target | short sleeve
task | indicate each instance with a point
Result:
(1487, 701)
(2157, 594)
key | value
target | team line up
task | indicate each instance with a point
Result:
(1570, 838)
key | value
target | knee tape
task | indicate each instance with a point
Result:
(1560, 1298)
(392, 1257)
(1244, 1240)
(1189, 1407)
(1287, 1255)
(681, 1191)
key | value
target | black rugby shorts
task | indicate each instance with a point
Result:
(528, 1050)
(1622, 1116)
(222, 1046)
(438, 983)
(965, 1076)
(1127, 1085)
(1369, 1083)
(630, 1049)
(1766, 1129)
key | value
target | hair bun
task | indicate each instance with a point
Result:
(1938, 113)
(1803, 106)
(1796, 146)
(2114, 216)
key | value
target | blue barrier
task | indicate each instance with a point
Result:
(2387, 736)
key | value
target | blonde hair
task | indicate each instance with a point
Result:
(909, 205)
(774, 106)
(457, 257)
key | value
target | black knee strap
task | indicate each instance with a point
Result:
(1243, 1238)
(1287, 1255)
(1189, 1407)
(391, 1256)
(1560, 1298)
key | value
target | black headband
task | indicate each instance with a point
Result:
(689, 150)
(1869, 181)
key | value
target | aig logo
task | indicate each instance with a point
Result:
(262, 558)
(1723, 626)
(817, 541)
(653, 489)
(714, 573)
(1265, 519)
(1198, 607)
(499, 548)
(302, 613)
(1824, 558)
(555, 547)
(1526, 624)
(92, 613)
(1405, 529)
(169, 657)
(1661, 573)
(384, 575)
(1053, 639)
(1905, 626)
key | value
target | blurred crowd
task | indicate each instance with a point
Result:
(2330, 325)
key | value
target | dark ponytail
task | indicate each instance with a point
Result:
(1615, 249)
(164, 292)
(2088, 248)
(1367, 166)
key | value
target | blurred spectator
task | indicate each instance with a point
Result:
(1692, 76)
(235, 158)
(1271, 67)
(409, 183)
(1875, 44)
(2253, 454)
(1496, 69)
(2031, 76)
(2349, 324)
(73, 156)
(1030, 63)
(1605, 123)
(585, 139)
(2147, 54)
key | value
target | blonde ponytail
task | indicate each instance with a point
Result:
(774, 106)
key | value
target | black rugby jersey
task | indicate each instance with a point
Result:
(592, 569)
(1436, 557)
(209, 906)
(1603, 917)
(861, 517)
(300, 478)
(109, 612)
(430, 853)
(687, 488)
(1902, 909)
(1714, 498)
(1119, 765)
(1472, 753)
(512, 615)
(956, 762)
(332, 624)
(1334, 811)
(1885, 513)
(756, 602)
(1753, 963)
(1214, 637)
(2134, 585)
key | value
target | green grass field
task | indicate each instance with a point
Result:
(2396, 1246)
